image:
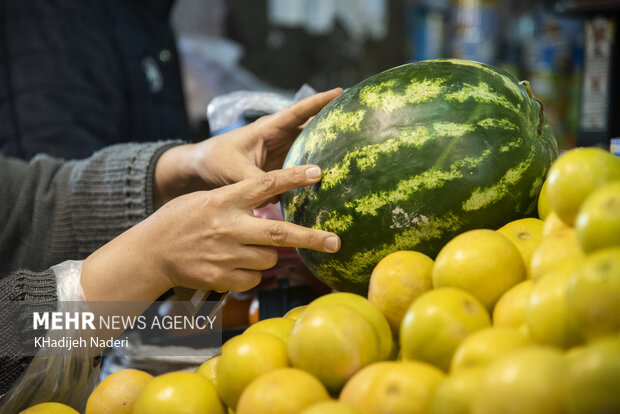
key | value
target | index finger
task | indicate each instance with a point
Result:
(299, 112)
(252, 192)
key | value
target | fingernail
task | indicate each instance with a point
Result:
(313, 172)
(332, 244)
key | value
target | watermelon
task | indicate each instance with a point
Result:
(412, 157)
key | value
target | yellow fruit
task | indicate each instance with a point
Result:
(279, 327)
(553, 224)
(369, 311)
(282, 391)
(393, 388)
(543, 202)
(117, 393)
(529, 380)
(456, 392)
(396, 281)
(526, 234)
(208, 369)
(333, 341)
(481, 262)
(547, 314)
(575, 175)
(487, 345)
(295, 312)
(509, 311)
(598, 221)
(49, 408)
(331, 407)
(244, 358)
(593, 294)
(178, 393)
(555, 249)
(437, 322)
(593, 378)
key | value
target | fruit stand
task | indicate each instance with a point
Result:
(477, 274)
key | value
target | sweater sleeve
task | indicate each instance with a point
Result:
(55, 211)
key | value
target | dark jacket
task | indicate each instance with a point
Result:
(76, 76)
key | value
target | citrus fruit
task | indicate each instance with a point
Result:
(295, 312)
(437, 322)
(553, 224)
(598, 221)
(369, 311)
(49, 408)
(332, 342)
(281, 391)
(555, 249)
(245, 358)
(482, 262)
(393, 388)
(575, 175)
(526, 234)
(509, 311)
(529, 380)
(396, 281)
(546, 314)
(487, 345)
(455, 393)
(117, 393)
(543, 202)
(208, 369)
(593, 294)
(178, 392)
(279, 327)
(331, 407)
(593, 378)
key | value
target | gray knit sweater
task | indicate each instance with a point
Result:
(52, 211)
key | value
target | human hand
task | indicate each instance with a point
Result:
(206, 240)
(243, 153)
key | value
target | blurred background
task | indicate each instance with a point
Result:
(567, 49)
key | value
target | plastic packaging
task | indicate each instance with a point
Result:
(68, 277)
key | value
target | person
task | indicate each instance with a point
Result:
(77, 76)
(147, 217)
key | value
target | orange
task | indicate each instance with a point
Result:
(331, 407)
(553, 224)
(593, 294)
(543, 202)
(482, 262)
(593, 378)
(487, 345)
(208, 369)
(295, 312)
(281, 391)
(437, 322)
(598, 221)
(529, 380)
(279, 327)
(333, 341)
(244, 358)
(575, 175)
(526, 234)
(547, 315)
(49, 408)
(117, 393)
(455, 393)
(393, 388)
(509, 311)
(369, 311)
(178, 393)
(396, 281)
(554, 250)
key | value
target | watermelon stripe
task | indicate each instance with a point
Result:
(515, 143)
(484, 197)
(366, 157)
(328, 127)
(507, 81)
(488, 123)
(430, 179)
(423, 230)
(335, 222)
(381, 95)
(480, 93)
(535, 190)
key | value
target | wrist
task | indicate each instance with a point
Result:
(176, 173)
